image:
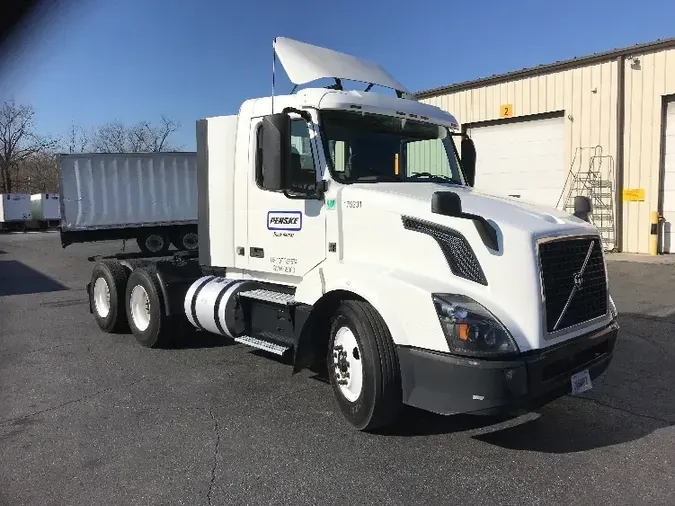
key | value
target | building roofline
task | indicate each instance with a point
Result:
(548, 68)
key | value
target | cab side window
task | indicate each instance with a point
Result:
(303, 166)
(303, 163)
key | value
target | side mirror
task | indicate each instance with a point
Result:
(276, 152)
(469, 160)
(582, 207)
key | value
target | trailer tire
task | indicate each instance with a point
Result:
(360, 344)
(186, 240)
(107, 295)
(153, 243)
(145, 308)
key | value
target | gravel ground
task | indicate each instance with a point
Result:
(92, 419)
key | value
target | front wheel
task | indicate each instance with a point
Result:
(363, 366)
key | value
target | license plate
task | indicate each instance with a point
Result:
(581, 382)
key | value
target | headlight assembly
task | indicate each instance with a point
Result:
(470, 329)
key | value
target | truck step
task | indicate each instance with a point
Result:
(269, 296)
(254, 342)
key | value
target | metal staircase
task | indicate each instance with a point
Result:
(593, 178)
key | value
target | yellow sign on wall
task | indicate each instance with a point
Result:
(506, 110)
(633, 194)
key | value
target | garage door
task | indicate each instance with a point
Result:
(668, 243)
(524, 159)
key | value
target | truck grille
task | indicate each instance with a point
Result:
(561, 261)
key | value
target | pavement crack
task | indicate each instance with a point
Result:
(627, 411)
(216, 448)
(74, 401)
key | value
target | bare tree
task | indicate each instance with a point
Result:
(18, 141)
(77, 139)
(39, 173)
(143, 137)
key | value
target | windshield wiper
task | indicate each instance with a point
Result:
(379, 177)
(436, 176)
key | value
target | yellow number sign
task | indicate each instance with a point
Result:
(506, 110)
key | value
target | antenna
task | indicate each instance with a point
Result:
(274, 59)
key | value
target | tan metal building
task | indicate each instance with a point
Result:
(601, 125)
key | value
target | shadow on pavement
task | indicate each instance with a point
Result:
(3, 252)
(16, 278)
(630, 401)
(189, 338)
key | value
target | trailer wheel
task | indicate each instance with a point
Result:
(145, 310)
(363, 366)
(153, 243)
(186, 240)
(106, 296)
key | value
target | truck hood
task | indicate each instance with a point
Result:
(415, 199)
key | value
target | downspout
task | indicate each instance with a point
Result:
(620, 133)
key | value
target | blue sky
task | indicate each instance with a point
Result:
(133, 60)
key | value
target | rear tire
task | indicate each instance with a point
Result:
(360, 344)
(107, 295)
(145, 308)
(153, 243)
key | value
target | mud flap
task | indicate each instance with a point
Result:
(304, 349)
(88, 288)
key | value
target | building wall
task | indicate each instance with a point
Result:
(645, 87)
(591, 116)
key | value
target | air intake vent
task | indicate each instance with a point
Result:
(457, 250)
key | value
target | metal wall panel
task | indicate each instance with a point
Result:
(649, 77)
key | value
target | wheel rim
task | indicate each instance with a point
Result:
(190, 241)
(102, 297)
(154, 243)
(139, 303)
(347, 364)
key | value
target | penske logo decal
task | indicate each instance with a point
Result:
(284, 220)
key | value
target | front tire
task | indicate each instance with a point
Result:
(106, 296)
(363, 366)
(145, 310)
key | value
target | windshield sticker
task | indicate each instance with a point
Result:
(289, 221)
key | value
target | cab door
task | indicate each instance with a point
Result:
(287, 236)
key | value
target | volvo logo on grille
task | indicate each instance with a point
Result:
(577, 282)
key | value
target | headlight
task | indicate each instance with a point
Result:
(470, 329)
(612, 308)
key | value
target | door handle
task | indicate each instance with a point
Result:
(257, 252)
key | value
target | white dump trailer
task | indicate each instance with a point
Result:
(149, 197)
(14, 210)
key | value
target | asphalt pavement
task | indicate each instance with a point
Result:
(87, 418)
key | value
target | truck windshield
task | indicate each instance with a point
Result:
(372, 148)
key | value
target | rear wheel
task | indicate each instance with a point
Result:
(153, 243)
(106, 296)
(363, 366)
(145, 309)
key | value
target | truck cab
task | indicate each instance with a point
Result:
(342, 228)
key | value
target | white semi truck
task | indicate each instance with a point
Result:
(341, 228)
